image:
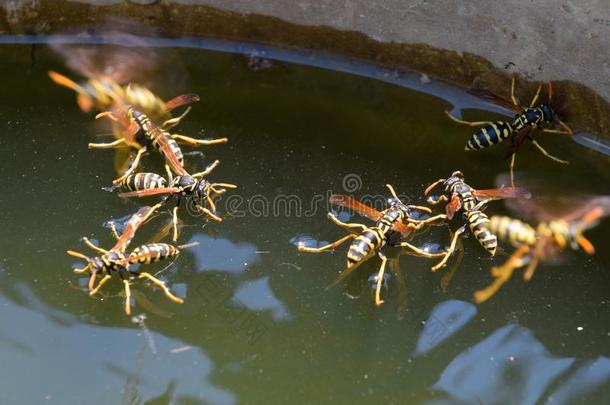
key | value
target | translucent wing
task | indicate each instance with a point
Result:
(150, 192)
(132, 226)
(495, 99)
(351, 203)
(503, 192)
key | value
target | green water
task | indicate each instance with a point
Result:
(257, 325)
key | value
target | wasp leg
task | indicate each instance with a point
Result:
(132, 166)
(502, 274)
(114, 231)
(172, 122)
(469, 123)
(533, 102)
(127, 297)
(451, 249)
(547, 154)
(439, 217)
(207, 170)
(208, 213)
(330, 246)
(448, 276)
(224, 185)
(511, 169)
(379, 279)
(175, 223)
(512, 91)
(91, 280)
(535, 259)
(82, 270)
(94, 247)
(438, 200)
(402, 286)
(100, 284)
(196, 142)
(411, 249)
(349, 226)
(162, 286)
(427, 210)
(119, 143)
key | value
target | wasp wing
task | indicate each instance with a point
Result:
(495, 99)
(150, 192)
(502, 193)
(351, 203)
(132, 226)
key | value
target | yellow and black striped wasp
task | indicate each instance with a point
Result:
(195, 187)
(519, 129)
(393, 226)
(145, 132)
(461, 196)
(116, 262)
(561, 223)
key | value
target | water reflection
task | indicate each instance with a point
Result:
(446, 319)
(257, 295)
(509, 366)
(223, 254)
(131, 373)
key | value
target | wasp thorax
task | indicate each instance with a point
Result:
(186, 183)
(203, 188)
(562, 233)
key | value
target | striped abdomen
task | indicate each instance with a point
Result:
(364, 246)
(512, 230)
(143, 181)
(153, 252)
(489, 135)
(162, 142)
(480, 227)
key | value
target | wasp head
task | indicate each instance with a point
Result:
(548, 114)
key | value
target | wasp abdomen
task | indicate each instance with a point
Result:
(512, 230)
(144, 181)
(363, 246)
(489, 135)
(480, 226)
(153, 252)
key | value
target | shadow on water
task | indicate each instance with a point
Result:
(257, 325)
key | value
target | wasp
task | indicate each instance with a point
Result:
(116, 262)
(193, 186)
(147, 133)
(471, 202)
(394, 226)
(519, 129)
(557, 227)
(102, 92)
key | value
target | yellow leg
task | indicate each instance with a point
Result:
(94, 247)
(448, 276)
(119, 143)
(533, 103)
(349, 226)
(439, 217)
(511, 169)
(451, 249)
(330, 246)
(547, 154)
(224, 185)
(175, 223)
(211, 203)
(535, 259)
(100, 284)
(208, 213)
(197, 142)
(127, 297)
(113, 230)
(469, 123)
(162, 286)
(402, 286)
(91, 281)
(427, 210)
(78, 255)
(501, 274)
(438, 200)
(512, 91)
(556, 131)
(207, 170)
(172, 122)
(132, 166)
(380, 274)
(411, 249)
